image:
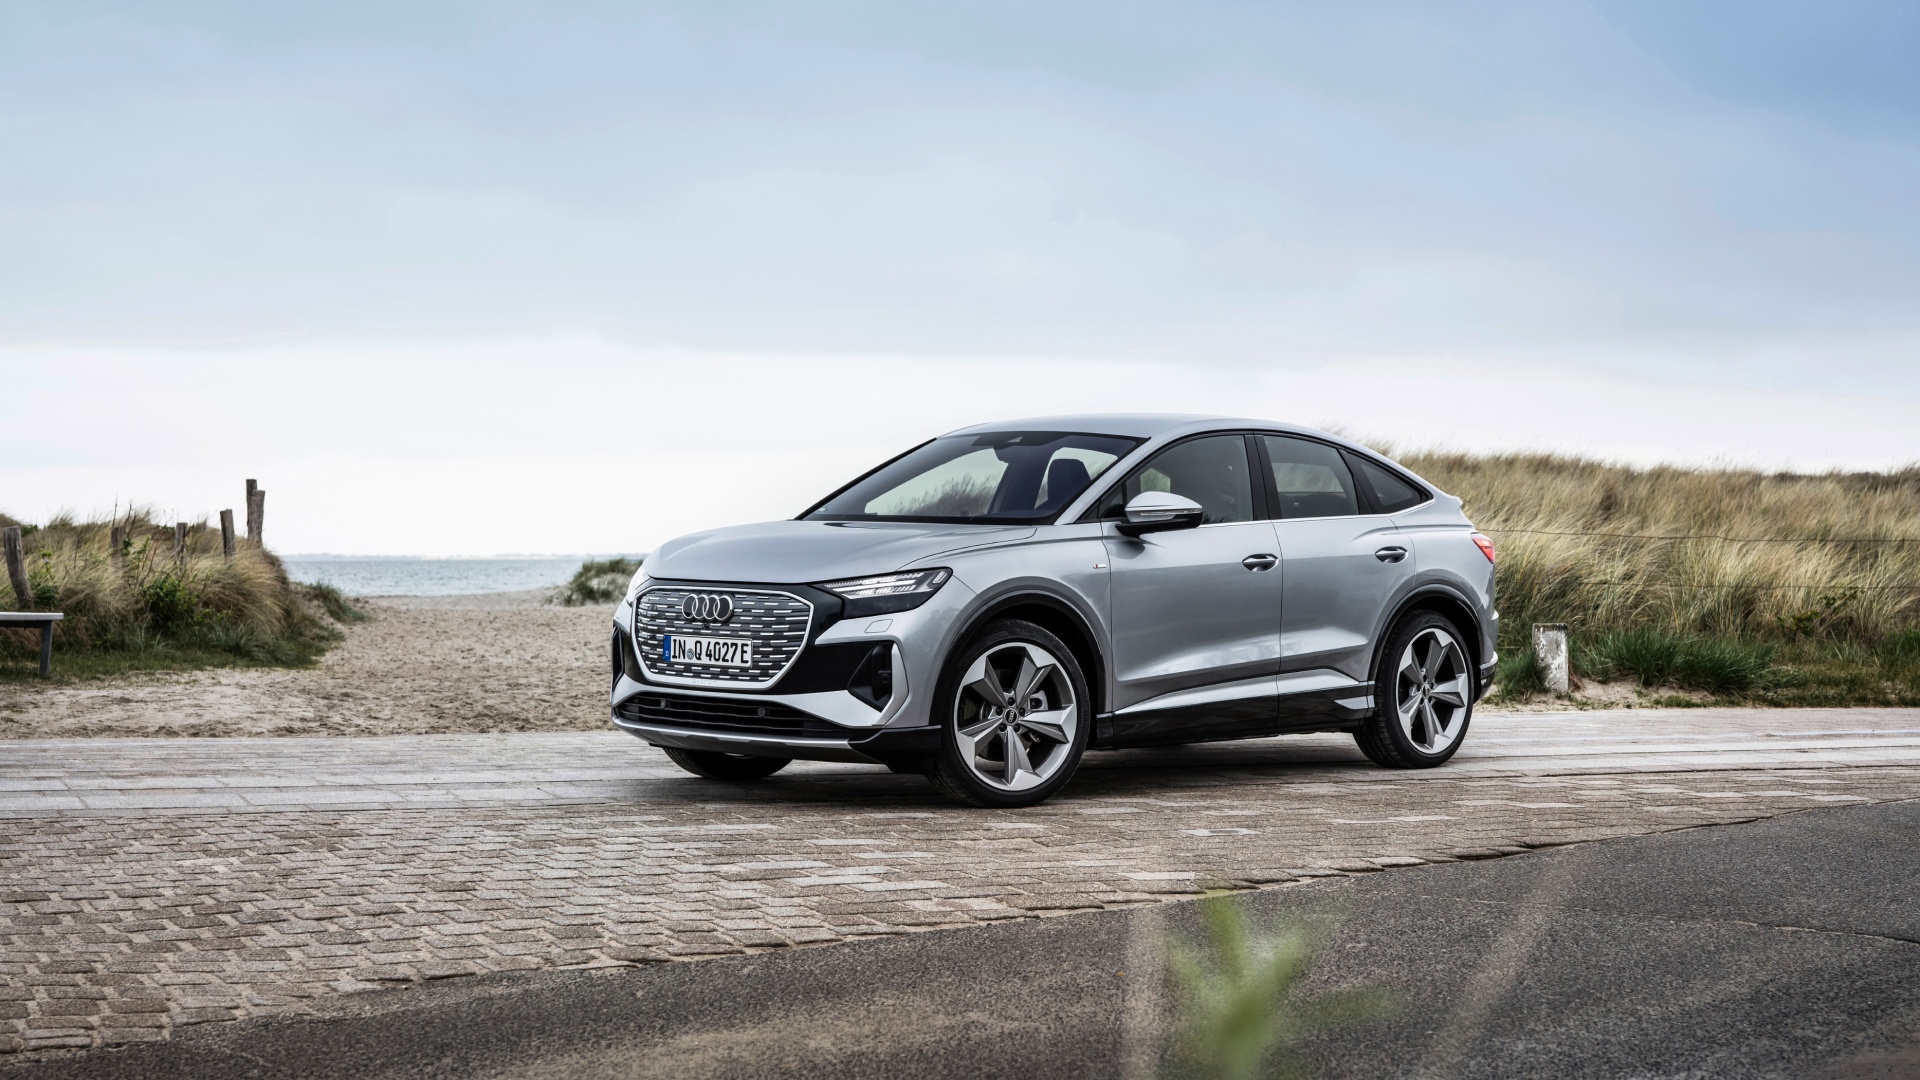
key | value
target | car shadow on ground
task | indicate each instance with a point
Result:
(1140, 772)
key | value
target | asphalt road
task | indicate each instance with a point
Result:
(1788, 947)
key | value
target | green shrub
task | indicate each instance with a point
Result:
(171, 606)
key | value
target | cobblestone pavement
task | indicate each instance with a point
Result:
(150, 884)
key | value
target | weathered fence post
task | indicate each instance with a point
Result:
(1550, 653)
(180, 543)
(117, 555)
(17, 567)
(226, 533)
(256, 511)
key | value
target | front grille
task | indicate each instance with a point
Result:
(732, 717)
(775, 622)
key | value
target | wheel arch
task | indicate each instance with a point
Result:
(1449, 605)
(1057, 617)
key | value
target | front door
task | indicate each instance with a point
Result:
(1196, 612)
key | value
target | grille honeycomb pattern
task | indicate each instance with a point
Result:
(776, 623)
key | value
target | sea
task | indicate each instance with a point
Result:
(410, 576)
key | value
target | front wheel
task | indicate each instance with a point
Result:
(1423, 696)
(718, 766)
(1014, 720)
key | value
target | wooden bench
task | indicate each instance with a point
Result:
(42, 619)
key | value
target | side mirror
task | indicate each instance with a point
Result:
(1158, 511)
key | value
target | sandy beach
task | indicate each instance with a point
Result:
(490, 662)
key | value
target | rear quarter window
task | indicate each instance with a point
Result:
(1391, 493)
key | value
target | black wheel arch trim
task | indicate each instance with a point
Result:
(1090, 647)
(1462, 615)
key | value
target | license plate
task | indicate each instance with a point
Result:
(711, 651)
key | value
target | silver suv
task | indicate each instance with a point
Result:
(993, 603)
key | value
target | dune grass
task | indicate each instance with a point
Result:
(1743, 585)
(150, 609)
(598, 581)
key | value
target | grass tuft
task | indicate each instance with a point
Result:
(1722, 666)
(1519, 676)
(334, 603)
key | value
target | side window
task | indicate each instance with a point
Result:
(1211, 471)
(1311, 479)
(1390, 493)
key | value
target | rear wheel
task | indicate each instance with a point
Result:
(718, 766)
(1423, 696)
(1014, 722)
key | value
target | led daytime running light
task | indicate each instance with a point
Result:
(913, 581)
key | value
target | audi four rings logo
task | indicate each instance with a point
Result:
(708, 607)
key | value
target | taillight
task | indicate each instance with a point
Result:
(1485, 544)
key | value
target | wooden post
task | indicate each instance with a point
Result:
(256, 510)
(1550, 652)
(17, 566)
(118, 555)
(226, 533)
(180, 543)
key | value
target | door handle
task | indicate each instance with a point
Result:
(1390, 554)
(1257, 563)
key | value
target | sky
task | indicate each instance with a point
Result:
(472, 278)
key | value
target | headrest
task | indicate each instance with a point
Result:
(1066, 477)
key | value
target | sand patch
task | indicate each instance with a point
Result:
(422, 666)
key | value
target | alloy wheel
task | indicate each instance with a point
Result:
(1015, 719)
(1433, 689)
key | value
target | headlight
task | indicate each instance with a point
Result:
(888, 593)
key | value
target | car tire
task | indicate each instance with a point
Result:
(1423, 695)
(1014, 717)
(715, 765)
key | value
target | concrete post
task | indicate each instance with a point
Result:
(1550, 652)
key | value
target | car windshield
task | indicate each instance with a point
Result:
(1013, 477)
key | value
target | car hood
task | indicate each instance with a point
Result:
(801, 552)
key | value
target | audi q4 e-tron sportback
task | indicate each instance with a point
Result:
(991, 604)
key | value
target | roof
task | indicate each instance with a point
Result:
(1136, 425)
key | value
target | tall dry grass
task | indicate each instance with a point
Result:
(153, 600)
(1729, 552)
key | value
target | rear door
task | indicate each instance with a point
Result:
(1196, 612)
(1342, 563)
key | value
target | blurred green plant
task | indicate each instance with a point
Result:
(1242, 1013)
